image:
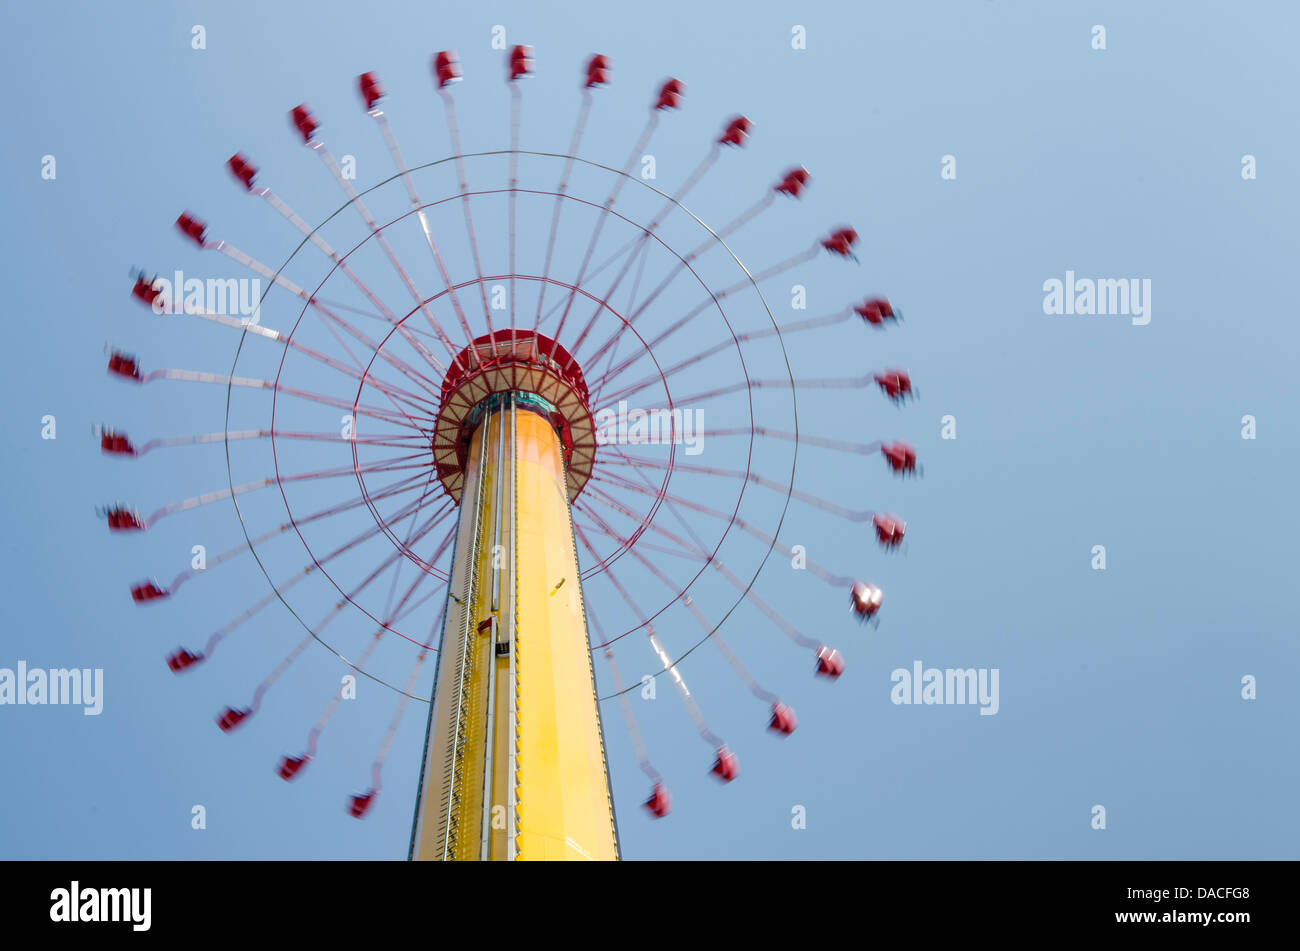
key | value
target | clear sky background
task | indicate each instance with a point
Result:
(1119, 687)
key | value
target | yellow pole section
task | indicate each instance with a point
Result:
(448, 822)
(560, 774)
(514, 761)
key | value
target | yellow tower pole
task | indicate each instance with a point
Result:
(514, 762)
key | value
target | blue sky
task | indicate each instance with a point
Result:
(1119, 687)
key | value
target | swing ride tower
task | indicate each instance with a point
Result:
(466, 482)
(514, 761)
